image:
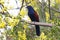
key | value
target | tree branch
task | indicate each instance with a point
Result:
(39, 23)
(22, 5)
(51, 8)
(54, 9)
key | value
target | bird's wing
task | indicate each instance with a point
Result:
(36, 16)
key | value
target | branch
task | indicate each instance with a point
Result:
(22, 5)
(43, 9)
(52, 8)
(39, 23)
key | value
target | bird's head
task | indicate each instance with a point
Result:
(30, 8)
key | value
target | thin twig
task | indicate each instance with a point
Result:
(51, 8)
(22, 5)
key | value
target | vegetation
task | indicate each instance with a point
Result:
(14, 28)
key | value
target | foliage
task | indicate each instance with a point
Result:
(17, 30)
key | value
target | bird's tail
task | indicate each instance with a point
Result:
(37, 30)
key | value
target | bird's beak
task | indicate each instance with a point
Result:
(26, 6)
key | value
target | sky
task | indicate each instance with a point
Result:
(12, 5)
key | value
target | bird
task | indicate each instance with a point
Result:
(32, 14)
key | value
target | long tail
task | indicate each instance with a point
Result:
(37, 30)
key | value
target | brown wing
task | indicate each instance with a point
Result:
(36, 16)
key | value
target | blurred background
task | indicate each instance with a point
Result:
(14, 17)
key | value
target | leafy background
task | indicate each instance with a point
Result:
(14, 11)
